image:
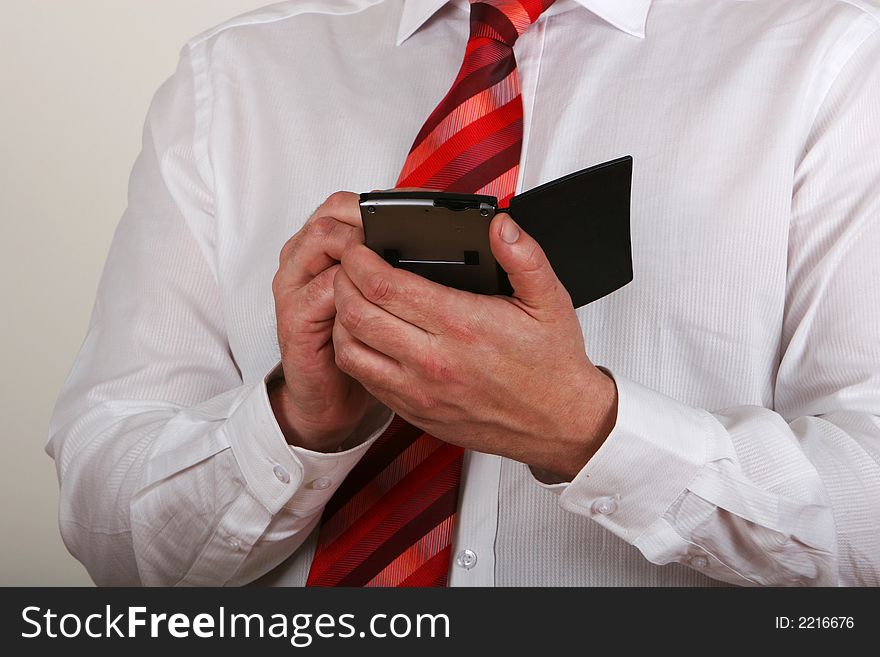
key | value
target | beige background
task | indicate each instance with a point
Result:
(76, 78)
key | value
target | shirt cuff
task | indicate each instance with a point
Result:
(323, 474)
(284, 476)
(657, 447)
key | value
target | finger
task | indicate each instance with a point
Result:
(305, 316)
(365, 364)
(534, 282)
(316, 304)
(318, 246)
(342, 206)
(375, 326)
(412, 298)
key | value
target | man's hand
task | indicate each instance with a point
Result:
(317, 405)
(501, 375)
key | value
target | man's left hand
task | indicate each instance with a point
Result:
(501, 375)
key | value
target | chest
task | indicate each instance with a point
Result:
(709, 125)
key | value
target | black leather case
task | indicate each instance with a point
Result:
(582, 221)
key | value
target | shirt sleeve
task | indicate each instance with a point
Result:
(788, 495)
(172, 469)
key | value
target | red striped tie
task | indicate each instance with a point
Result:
(391, 521)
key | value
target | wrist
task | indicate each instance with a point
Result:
(591, 421)
(604, 409)
(296, 430)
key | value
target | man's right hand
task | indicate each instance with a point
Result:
(316, 404)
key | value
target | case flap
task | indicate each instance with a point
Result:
(582, 221)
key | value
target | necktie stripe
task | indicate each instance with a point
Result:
(463, 142)
(427, 547)
(374, 462)
(473, 84)
(404, 491)
(535, 9)
(489, 170)
(485, 53)
(391, 523)
(501, 186)
(379, 553)
(532, 10)
(493, 23)
(467, 171)
(517, 14)
(380, 532)
(432, 572)
(466, 160)
(372, 491)
(473, 109)
(409, 496)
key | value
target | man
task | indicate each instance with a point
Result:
(731, 434)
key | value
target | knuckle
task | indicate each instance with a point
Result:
(379, 288)
(335, 203)
(323, 226)
(436, 368)
(277, 283)
(351, 317)
(312, 295)
(337, 198)
(463, 328)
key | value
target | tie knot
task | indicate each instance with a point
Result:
(505, 20)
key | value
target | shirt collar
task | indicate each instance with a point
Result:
(629, 16)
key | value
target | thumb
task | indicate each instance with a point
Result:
(533, 279)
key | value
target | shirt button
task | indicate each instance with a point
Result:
(466, 559)
(234, 543)
(699, 561)
(322, 483)
(605, 506)
(281, 474)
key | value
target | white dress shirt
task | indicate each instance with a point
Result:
(746, 351)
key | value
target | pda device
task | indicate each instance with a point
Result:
(439, 235)
(582, 221)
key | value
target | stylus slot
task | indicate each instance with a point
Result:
(433, 262)
(392, 256)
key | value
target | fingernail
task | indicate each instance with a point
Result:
(510, 231)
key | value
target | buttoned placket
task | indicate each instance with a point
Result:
(473, 562)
